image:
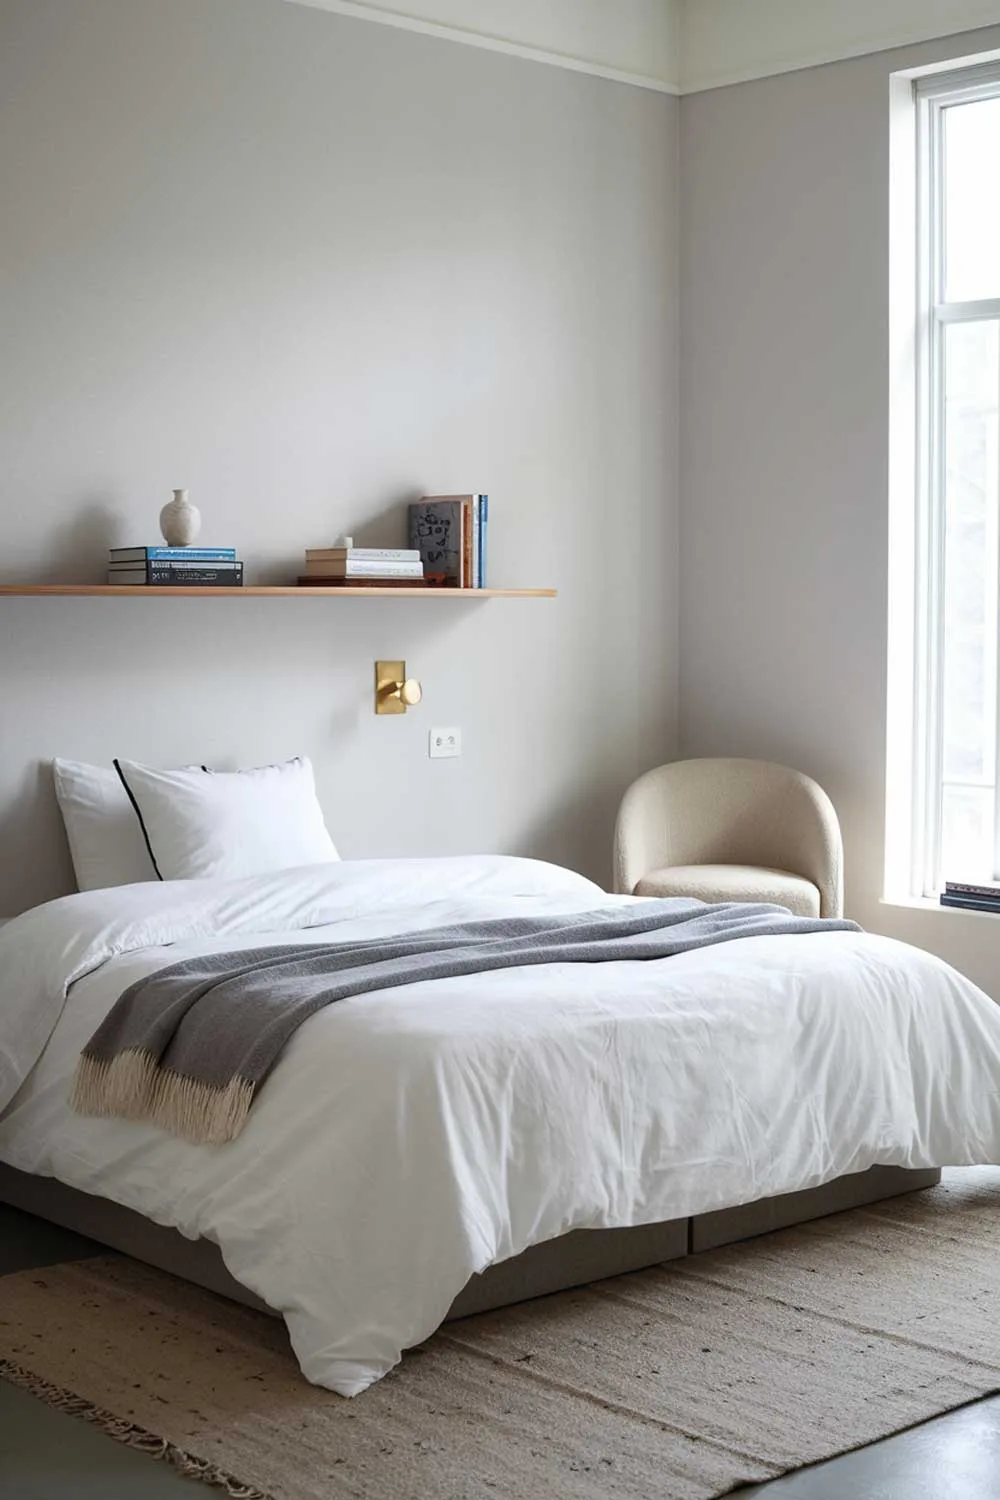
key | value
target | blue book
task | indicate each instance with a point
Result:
(172, 554)
(484, 515)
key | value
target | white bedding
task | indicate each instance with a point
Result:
(411, 1137)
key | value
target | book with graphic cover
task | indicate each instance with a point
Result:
(438, 532)
(450, 533)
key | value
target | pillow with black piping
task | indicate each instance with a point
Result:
(228, 824)
(105, 839)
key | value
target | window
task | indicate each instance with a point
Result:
(956, 550)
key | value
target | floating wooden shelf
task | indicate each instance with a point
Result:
(192, 591)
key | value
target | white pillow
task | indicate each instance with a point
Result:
(226, 824)
(104, 835)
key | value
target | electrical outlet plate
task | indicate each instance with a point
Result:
(442, 744)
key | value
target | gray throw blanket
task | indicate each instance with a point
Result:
(187, 1048)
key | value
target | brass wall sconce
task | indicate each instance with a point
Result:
(394, 691)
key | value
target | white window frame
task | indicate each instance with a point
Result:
(933, 94)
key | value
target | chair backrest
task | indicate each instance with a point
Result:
(733, 812)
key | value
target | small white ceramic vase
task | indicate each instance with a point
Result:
(180, 521)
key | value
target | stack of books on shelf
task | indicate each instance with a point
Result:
(970, 896)
(449, 532)
(362, 567)
(175, 567)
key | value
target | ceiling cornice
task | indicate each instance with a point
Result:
(723, 42)
(636, 42)
(677, 46)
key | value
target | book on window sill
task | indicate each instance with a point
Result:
(970, 903)
(230, 576)
(987, 888)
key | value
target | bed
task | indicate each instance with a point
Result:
(459, 1143)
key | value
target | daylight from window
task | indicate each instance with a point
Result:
(962, 464)
(971, 200)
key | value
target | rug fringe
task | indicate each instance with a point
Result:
(128, 1433)
(132, 1086)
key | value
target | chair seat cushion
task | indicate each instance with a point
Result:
(733, 883)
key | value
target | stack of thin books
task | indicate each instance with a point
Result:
(969, 896)
(175, 567)
(362, 567)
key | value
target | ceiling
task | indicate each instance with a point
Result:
(678, 46)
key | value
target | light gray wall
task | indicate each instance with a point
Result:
(312, 268)
(785, 424)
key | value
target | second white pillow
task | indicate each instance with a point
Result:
(227, 824)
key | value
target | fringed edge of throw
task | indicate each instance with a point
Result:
(128, 1433)
(132, 1086)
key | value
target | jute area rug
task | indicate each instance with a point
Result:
(678, 1383)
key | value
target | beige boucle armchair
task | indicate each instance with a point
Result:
(731, 830)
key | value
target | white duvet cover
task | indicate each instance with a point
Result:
(412, 1137)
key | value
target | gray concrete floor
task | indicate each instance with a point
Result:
(45, 1455)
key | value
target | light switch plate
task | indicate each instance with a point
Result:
(444, 743)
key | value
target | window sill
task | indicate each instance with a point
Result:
(928, 904)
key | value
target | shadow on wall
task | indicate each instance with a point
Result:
(387, 528)
(565, 836)
(36, 865)
(77, 549)
(390, 528)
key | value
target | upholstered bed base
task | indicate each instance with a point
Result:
(572, 1260)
